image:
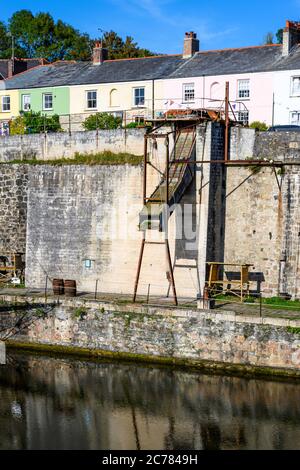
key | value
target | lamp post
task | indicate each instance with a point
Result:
(9, 34)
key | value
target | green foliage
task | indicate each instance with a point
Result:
(33, 123)
(79, 314)
(102, 121)
(279, 36)
(279, 301)
(17, 126)
(41, 36)
(103, 158)
(119, 48)
(132, 125)
(293, 330)
(260, 126)
(255, 169)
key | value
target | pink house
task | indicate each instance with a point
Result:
(252, 72)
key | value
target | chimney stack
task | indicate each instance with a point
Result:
(191, 45)
(10, 68)
(291, 36)
(100, 54)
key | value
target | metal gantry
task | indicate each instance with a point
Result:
(178, 125)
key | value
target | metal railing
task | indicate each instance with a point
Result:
(148, 110)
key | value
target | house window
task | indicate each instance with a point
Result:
(47, 101)
(188, 92)
(5, 104)
(295, 118)
(243, 116)
(91, 99)
(26, 99)
(295, 91)
(139, 96)
(244, 88)
(139, 119)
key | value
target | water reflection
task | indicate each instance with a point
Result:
(57, 403)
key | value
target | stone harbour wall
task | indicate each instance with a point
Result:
(53, 146)
(157, 332)
(13, 208)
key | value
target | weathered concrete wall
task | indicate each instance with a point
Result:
(13, 208)
(62, 145)
(91, 212)
(237, 215)
(167, 333)
(262, 211)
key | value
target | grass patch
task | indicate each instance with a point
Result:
(279, 302)
(293, 330)
(101, 158)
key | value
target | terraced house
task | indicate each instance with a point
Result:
(264, 84)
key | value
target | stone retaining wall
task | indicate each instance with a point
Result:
(64, 145)
(157, 332)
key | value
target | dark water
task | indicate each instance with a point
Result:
(58, 403)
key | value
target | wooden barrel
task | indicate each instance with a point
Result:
(70, 288)
(58, 286)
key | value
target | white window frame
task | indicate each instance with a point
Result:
(243, 91)
(44, 102)
(23, 102)
(136, 103)
(8, 104)
(293, 91)
(243, 116)
(292, 122)
(188, 92)
(89, 100)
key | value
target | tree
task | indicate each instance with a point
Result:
(119, 49)
(40, 36)
(269, 38)
(279, 36)
(6, 44)
(34, 123)
(102, 121)
(260, 126)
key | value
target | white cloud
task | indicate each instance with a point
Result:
(166, 13)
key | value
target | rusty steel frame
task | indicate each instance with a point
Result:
(145, 200)
(225, 161)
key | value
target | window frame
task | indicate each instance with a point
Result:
(2, 104)
(87, 99)
(185, 99)
(244, 121)
(292, 93)
(44, 101)
(138, 105)
(24, 96)
(245, 90)
(291, 120)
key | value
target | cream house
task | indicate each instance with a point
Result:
(9, 107)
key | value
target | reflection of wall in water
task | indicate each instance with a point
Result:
(119, 407)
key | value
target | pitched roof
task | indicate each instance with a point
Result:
(231, 61)
(205, 63)
(85, 73)
(20, 65)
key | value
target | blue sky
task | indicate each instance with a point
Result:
(159, 25)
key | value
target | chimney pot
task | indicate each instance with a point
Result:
(291, 36)
(191, 45)
(100, 53)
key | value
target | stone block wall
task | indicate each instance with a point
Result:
(13, 208)
(182, 334)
